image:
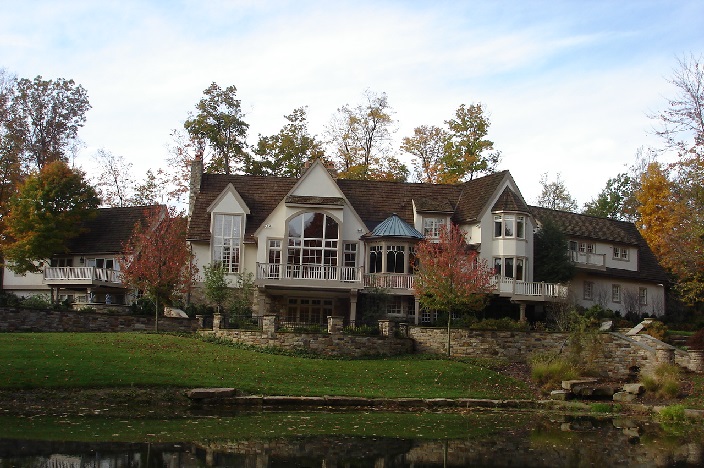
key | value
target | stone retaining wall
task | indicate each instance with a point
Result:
(323, 343)
(30, 320)
(617, 356)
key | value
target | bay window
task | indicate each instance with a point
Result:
(227, 240)
(510, 225)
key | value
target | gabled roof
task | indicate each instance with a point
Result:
(579, 226)
(374, 201)
(510, 201)
(393, 226)
(109, 230)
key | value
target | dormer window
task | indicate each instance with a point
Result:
(432, 227)
(510, 225)
(227, 240)
(620, 253)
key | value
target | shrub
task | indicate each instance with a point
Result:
(365, 330)
(696, 341)
(657, 329)
(36, 302)
(672, 414)
(500, 324)
(663, 381)
(548, 370)
(9, 299)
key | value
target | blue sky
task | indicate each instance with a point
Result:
(568, 84)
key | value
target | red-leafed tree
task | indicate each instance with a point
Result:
(157, 260)
(450, 277)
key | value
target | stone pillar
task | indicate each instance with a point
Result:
(387, 327)
(522, 312)
(417, 305)
(217, 320)
(665, 355)
(696, 360)
(353, 308)
(261, 302)
(269, 323)
(335, 325)
(201, 322)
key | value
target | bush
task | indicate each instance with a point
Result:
(696, 341)
(656, 329)
(548, 370)
(9, 300)
(364, 330)
(672, 414)
(663, 381)
(36, 302)
(499, 324)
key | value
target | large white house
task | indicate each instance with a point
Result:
(316, 244)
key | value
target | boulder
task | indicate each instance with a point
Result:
(561, 395)
(569, 384)
(634, 388)
(624, 397)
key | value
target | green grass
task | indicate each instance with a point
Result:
(90, 360)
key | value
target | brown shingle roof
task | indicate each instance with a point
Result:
(607, 230)
(109, 230)
(510, 201)
(374, 201)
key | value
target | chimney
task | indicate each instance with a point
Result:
(194, 186)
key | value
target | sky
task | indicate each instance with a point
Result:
(568, 85)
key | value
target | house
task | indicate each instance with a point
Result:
(615, 268)
(88, 272)
(317, 244)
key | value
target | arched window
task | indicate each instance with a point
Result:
(313, 240)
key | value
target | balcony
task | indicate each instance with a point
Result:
(588, 260)
(388, 281)
(309, 276)
(82, 276)
(524, 290)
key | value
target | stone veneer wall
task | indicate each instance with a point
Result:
(618, 356)
(323, 343)
(30, 320)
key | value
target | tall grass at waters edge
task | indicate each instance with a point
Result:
(95, 360)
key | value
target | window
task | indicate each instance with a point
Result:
(588, 290)
(432, 227)
(520, 265)
(274, 258)
(643, 296)
(314, 311)
(227, 234)
(350, 255)
(508, 264)
(312, 240)
(587, 247)
(101, 263)
(620, 253)
(497, 266)
(376, 258)
(62, 262)
(509, 225)
(395, 307)
(395, 258)
(615, 293)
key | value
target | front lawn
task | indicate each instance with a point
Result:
(99, 360)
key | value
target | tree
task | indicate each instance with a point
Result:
(114, 181)
(554, 195)
(286, 153)
(551, 256)
(44, 119)
(427, 145)
(220, 123)
(150, 191)
(450, 277)
(45, 214)
(360, 140)
(215, 282)
(616, 200)
(467, 153)
(11, 173)
(157, 260)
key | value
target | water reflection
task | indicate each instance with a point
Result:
(488, 439)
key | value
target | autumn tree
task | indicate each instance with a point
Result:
(468, 153)
(286, 153)
(157, 260)
(555, 196)
(45, 213)
(11, 172)
(44, 118)
(450, 278)
(360, 139)
(219, 123)
(427, 146)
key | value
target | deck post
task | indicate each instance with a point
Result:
(522, 312)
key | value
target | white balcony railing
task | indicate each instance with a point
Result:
(388, 281)
(586, 258)
(504, 285)
(276, 271)
(81, 274)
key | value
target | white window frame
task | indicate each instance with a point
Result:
(621, 253)
(616, 293)
(588, 291)
(643, 296)
(227, 241)
(432, 227)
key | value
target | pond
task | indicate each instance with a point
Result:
(347, 439)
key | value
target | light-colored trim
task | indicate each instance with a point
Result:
(227, 190)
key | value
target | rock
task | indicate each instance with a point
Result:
(173, 312)
(606, 325)
(583, 390)
(631, 432)
(624, 423)
(561, 395)
(624, 397)
(634, 388)
(203, 393)
(568, 384)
